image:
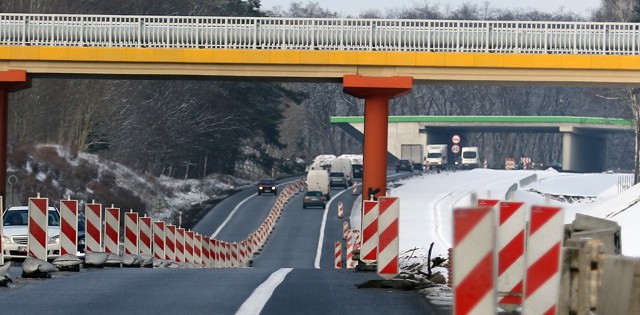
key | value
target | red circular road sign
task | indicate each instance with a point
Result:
(455, 139)
(455, 149)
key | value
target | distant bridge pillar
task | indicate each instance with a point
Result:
(376, 92)
(582, 152)
(10, 81)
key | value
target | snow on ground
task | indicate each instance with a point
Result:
(427, 202)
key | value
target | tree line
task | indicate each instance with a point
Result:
(188, 129)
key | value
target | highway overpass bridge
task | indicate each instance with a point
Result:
(583, 138)
(375, 59)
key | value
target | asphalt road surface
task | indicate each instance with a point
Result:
(293, 274)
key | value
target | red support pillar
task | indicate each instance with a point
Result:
(376, 91)
(10, 81)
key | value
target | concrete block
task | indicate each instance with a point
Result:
(619, 291)
(584, 222)
(609, 237)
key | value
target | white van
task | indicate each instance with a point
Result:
(318, 180)
(344, 166)
(470, 158)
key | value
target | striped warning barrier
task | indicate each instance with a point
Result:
(369, 249)
(242, 254)
(388, 243)
(355, 189)
(93, 225)
(226, 253)
(170, 242)
(68, 227)
(340, 210)
(511, 242)
(206, 252)
(38, 227)
(158, 239)
(233, 255)
(180, 237)
(338, 256)
(145, 236)
(473, 261)
(544, 254)
(188, 246)
(350, 241)
(112, 230)
(345, 229)
(197, 249)
(131, 232)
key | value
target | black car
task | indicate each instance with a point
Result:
(314, 199)
(267, 186)
(404, 165)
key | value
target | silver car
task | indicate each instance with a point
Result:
(15, 232)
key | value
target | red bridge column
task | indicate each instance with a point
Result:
(376, 92)
(10, 81)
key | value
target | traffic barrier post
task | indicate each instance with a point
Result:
(38, 227)
(511, 260)
(158, 239)
(388, 243)
(68, 227)
(188, 247)
(145, 236)
(340, 210)
(338, 255)
(180, 238)
(170, 242)
(197, 249)
(93, 234)
(112, 230)
(131, 232)
(369, 249)
(350, 237)
(543, 259)
(206, 252)
(345, 229)
(474, 252)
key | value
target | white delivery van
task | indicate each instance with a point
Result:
(437, 156)
(470, 158)
(344, 166)
(318, 180)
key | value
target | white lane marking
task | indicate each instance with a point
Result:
(322, 226)
(261, 295)
(236, 209)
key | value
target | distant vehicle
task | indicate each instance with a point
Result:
(469, 158)
(15, 233)
(413, 153)
(314, 199)
(437, 156)
(344, 166)
(404, 165)
(318, 180)
(357, 170)
(267, 186)
(338, 179)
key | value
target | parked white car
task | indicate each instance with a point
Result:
(15, 233)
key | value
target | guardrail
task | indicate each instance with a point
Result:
(319, 34)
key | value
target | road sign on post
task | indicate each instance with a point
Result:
(455, 149)
(455, 139)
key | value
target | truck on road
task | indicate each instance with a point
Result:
(413, 153)
(437, 158)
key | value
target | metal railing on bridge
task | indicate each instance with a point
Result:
(319, 34)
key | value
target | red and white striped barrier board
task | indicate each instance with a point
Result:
(188, 246)
(214, 253)
(355, 189)
(338, 256)
(388, 242)
(234, 255)
(1, 233)
(242, 253)
(487, 202)
(511, 242)
(158, 239)
(180, 233)
(131, 233)
(206, 252)
(68, 227)
(544, 256)
(227, 255)
(473, 261)
(345, 229)
(340, 210)
(170, 242)
(369, 249)
(38, 226)
(93, 225)
(145, 236)
(197, 249)
(112, 230)
(350, 241)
